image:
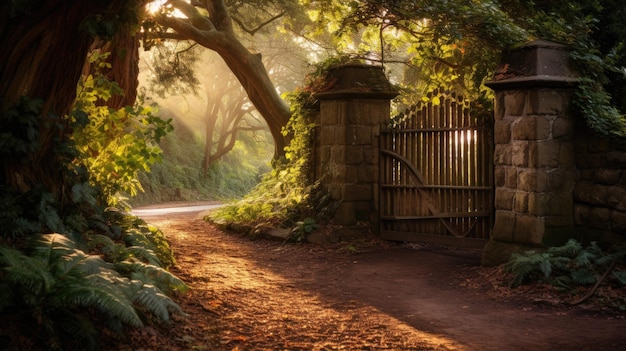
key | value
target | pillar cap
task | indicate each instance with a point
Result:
(356, 81)
(539, 63)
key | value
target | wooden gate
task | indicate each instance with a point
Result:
(436, 182)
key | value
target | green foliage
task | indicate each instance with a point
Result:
(59, 285)
(174, 72)
(595, 32)
(564, 266)
(103, 267)
(284, 196)
(179, 176)
(302, 229)
(114, 145)
(456, 44)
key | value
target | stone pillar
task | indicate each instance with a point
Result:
(534, 153)
(352, 110)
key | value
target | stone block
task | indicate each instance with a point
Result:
(511, 177)
(529, 230)
(590, 193)
(548, 102)
(618, 222)
(589, 161)
(600, 145)
(344, 215)
(338, 155)
(354, 155)
(606, 176)
(502, 155)
(328, 135)
(370, 155)
(499, 108)
(616, 159)
(581, 214)
(499, 175)
(567, 156)
(532, 180)
(502, 132)
(559, 221)
(514, 102)
(503, 226)
(360, 135)
(357, 192)
(328, 113)
(520, 153)
(551, 204)
(520, 204)
(599, 218)
(563, 128)
(618, 144)
(560, 180)
(367, 174)
(531, 128)
(504, 199)
(616, 198)
(544, 154)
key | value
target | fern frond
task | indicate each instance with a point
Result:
(145, 255)
(583, 276)
(77, 222)
(546, 267)
(155, 302)
(23, 271)
(102, 293)
(150, 274)
(570, 249)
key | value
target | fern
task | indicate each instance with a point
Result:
(155, 302)
(57, 282)
(150, 274)
(562, 266)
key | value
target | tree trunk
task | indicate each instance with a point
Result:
(250, 71)
(42, 56)
(216, 33)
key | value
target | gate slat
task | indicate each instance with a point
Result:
(452, 151)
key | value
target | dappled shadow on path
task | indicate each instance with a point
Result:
(257, 295)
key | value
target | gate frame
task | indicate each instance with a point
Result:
(420, 187)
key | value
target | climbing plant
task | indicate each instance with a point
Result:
(114, 145)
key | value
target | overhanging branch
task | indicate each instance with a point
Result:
(252, 31)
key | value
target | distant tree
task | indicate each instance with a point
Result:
(210, 24)
(228, 112)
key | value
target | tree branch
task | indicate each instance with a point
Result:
(252, 31)
(195, 17)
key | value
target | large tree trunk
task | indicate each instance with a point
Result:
(42, 56)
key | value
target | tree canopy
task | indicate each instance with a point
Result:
(56, 184)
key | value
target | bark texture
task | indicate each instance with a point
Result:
(43, 53)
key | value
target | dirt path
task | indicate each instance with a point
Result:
(266, 295)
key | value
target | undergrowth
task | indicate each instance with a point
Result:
(287, 196)
(70, 265)
(570, 266)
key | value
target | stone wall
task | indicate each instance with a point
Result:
(555, 179)
(534, 165)
(534, 159)
(352, 110)
(600, 192)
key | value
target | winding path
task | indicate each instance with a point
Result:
(266, 295)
